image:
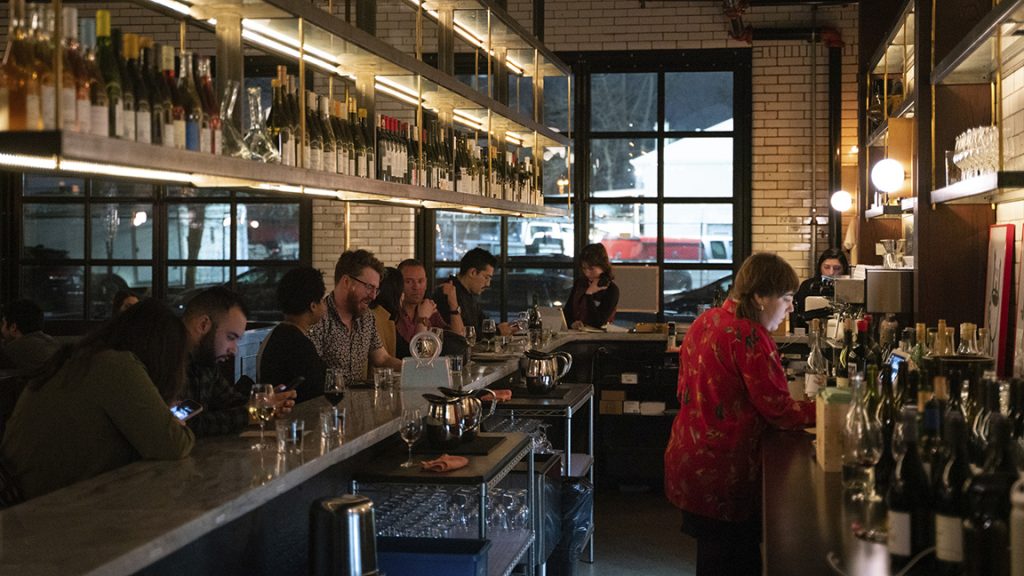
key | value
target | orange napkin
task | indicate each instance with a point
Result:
(500, 395)
(446, 463)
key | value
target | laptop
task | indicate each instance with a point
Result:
(553, 318)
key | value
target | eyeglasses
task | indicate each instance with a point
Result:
(369, 287)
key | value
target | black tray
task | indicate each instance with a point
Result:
(522, 393)
(480, 446)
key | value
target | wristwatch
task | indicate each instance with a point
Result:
(457, 310)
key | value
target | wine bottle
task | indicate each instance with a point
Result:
(1017, 529)
(111, 74)
(99, 106)
(329, 153)
(42, 24)
(143, 98)
(192, 106)
(20, 79)
(343, 145)
(162, 125)
(909, 499)
(314, 139)
(127, 86)
(211, 106)
(981, 422)
(950, 500)
(986, 529)
(843, 369)
(1016, 417)
(75, 92)
(886, 415)
(816, 373)
(932, 445)
(177, 106)
(369, 147)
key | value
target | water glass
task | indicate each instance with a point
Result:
(456, 364)
(332, 423)
(289, 436)
(382, 377)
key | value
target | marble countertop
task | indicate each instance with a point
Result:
(126, 519)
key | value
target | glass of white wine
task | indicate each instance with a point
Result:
(261, 408)
(412, 428)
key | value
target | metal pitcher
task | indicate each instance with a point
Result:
(472, 409)
(542, 371)
(444, 421)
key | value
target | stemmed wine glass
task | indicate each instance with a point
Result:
(488, 330)
(261, 408)
(471, 336)
(334, 386)
(412, 428)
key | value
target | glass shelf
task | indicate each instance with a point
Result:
(975, 59)
(991, 188)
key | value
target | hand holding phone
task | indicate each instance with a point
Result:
(186, 409)
(295, 383)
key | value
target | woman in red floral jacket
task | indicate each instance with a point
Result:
(732, 388)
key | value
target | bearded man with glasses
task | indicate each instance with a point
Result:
(347, 338)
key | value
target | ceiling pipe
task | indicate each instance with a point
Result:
(734, 10)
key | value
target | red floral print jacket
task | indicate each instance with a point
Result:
(732, 387)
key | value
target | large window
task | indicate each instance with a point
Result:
(661, 177)
(82, 240)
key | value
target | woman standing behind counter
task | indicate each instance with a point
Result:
(732, 388)
(594, 295)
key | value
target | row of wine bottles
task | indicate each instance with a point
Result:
(126, 86)
(947, 476)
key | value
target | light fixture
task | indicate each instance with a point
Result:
(282, 48)
(254, 224)
(466, 120)
(171, 4)
(25, 161)
(513, 138)
(123, 171)
(841, 201)
(888, 175)
(397, 94)
(140, 218)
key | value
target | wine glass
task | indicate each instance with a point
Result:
(862, 446)
(471, 336)
(261, 408)
(488, 330)
(334, 385)
(412, 428)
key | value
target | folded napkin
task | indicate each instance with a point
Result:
(499, 395)
(446, 463)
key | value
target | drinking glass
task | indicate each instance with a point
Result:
(261, 408)
(381, 377)
(862, 441)
(412, 428)
(488, 329)
(334, 386)
(471, 336)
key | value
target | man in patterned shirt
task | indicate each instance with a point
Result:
(215, 320)
(346, 338)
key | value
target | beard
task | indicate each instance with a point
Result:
(206, 353)
(356, 304)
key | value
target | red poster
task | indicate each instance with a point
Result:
(998, 284)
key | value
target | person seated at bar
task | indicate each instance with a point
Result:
(475, 272)
(732, 388)
(123, 300)
(594, 295)
(346, 338)
(287, 352)
(831, 263)
(215, 320)
(419, 313)
(26, 347)
(102, 404)
(385, 308)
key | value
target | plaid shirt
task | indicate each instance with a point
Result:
(344, 348)
(224, 408)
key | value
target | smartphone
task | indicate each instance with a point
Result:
(186, 409)
(295, 383)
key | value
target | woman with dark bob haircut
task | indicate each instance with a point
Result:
(287, 353)
(732, 388)
(831, 263)
(594, 296)
(102, 403)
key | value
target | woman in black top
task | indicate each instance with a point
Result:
(287, 352)
(594, 295)
(831, 263)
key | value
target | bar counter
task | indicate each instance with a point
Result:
(807, 519)
(126, 520)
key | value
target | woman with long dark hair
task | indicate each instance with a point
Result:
(102, 403)
(594, 295)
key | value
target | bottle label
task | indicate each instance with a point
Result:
(216, 134)
(812, 383)
(143, 127)
(307, 156)
(330, 161)
(192, 135)
(899, 533)
(179, 134)
(100, 120)
(69, 108)
(48, 107)
(949, 538)
(170, 134)
(842, 381)
(128, 129)
(117, 119)
(5, 114)
(83, 115)
(205, 140)
(33, 121)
